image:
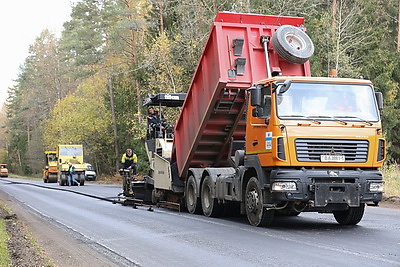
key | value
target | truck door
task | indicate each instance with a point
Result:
(259, 127)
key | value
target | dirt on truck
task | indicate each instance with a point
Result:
(257, 133)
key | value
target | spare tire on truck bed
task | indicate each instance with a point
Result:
(292, 44)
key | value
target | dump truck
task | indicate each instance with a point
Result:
(70, 154)
(257, 134)
(50, 170)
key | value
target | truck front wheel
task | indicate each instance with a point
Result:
(352, 216)
(210, 205)
(257, 215)
(193, 203)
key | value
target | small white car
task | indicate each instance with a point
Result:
(90, 173)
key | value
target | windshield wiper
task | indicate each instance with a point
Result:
(330, 117)
(354, 117)
(301, 116)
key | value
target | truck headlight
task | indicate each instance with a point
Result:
(376, 187)
(284, 186)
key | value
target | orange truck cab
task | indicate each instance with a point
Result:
(3, 170)
(316, 144)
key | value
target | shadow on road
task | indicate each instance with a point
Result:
(299, 222)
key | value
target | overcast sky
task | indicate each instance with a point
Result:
(21, 21)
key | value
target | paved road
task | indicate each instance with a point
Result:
(169, 238)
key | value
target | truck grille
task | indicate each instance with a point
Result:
(310, 150)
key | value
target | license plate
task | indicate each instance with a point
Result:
(333, 158)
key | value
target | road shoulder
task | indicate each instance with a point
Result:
(62, 248)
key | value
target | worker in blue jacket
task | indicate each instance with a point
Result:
(71, 174)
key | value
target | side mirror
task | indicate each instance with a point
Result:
(258, 112)
(285, 86)
(255, 94)
(379, 100)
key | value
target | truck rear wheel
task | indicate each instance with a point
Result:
(257, 215)
(63, 180)
(352, 216)
(193, 203)
(81, 179)
(292, 44)
(210, 205)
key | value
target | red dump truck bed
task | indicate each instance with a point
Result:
(232, 60)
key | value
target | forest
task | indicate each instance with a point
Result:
(87, 86)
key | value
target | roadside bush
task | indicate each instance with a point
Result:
(391, 176)
(4, 255)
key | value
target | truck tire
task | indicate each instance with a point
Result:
(81, 179)
(193, 203)
(210, 205)
(257, 215)
(63, 180)
(352, 216)
(292, 44)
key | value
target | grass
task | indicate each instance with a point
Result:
(26, 177)
(391, 176)
(4, 206)
(4, 254)
(39, 250)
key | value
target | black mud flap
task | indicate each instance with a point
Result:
(337, 194)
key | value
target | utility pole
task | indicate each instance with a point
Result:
(131, 6)
(116, 146)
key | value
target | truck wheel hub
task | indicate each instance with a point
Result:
(252, 201)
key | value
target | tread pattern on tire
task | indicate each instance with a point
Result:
(197, 209)
(352, 216)
(215, 209)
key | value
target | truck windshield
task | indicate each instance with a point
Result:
(339, 102)
(71, 151)
(89, 167)
(52, 157)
